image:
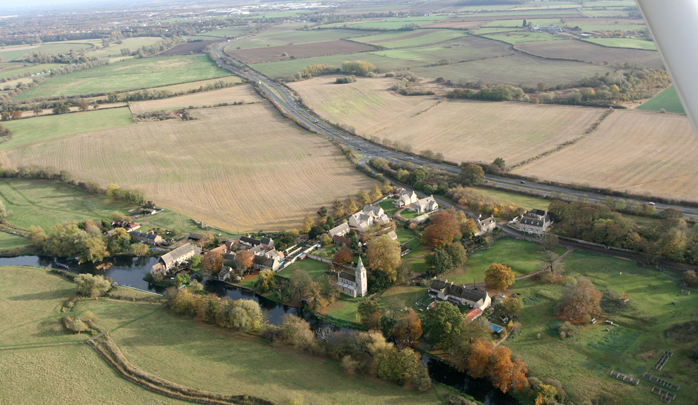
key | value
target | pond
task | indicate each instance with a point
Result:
(130, 271)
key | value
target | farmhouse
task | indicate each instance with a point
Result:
(485, 225)
(247, 241)
(354, 285)
(368, 216)
(267, 260)
(129, 226)
(535, 222)
(406, 198)
(339, 230)
(460, 295)
(170, 260)
(424, 205)
(149, 238)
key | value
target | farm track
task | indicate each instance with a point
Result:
(290, 106)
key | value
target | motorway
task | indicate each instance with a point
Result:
(284, 100)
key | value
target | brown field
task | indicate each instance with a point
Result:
(461, 130)
(188, 48)
(240, 168)
(300, 51)
(637, 151)
(244, 93)
(588, 52)
(458, 23)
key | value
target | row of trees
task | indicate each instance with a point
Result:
(133, 196)
(242, 315)
(160, 46)
(351, 68)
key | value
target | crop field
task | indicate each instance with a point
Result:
(288, 34)
(19, 70)
(129, 75)
(427, 123)
(403, 39)
(300, 51)
(516, 37)
(131, 43)
(515, 70)
(638, 151)
(236, 94)
(239, 168)
(519, 23)
(624, 43)
(184, 87)
(463, 49)
(45, 203)
(523, 258)
(588, 52)
(668, 100)
(387, 23)
(457, 23)
(13, 52)
(37, 129)
(582, 362)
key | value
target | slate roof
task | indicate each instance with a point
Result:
(532, 221)
(339, 229)
(347, 276)
(459, 291)
(143, 235)
(250, 241)
(267, 241)
(171, 257)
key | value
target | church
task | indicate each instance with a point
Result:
(354, 285)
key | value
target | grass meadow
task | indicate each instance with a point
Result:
(624, 43)
(230, 95)
(516, 37)
(633, 150)
(37, 129)
(9, 241)
(45, 203)
(505, 197)
(582, 362)
(129, 75)
(239, 168)
(668, 100)
(314, 268)
(589, 52)
(403, 39)
(9, 70)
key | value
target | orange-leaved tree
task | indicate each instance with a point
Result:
(443, 229)
(579, 300)
(344, 256)
(213, 261)
(499, 276)
(245, 258)
(408, 329)
(478, 362)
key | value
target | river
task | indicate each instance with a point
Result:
(130, 271)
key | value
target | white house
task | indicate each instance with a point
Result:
(460, 295)
(174, 258)
(406, 198)
(339, 230)
(367, 217)
(535, 222)
(354, 285)
(427, 204)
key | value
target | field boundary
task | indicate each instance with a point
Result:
(595, 126)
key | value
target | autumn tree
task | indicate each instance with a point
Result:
(37, 235)
(301, 286)
(92, 286)
(408, 329)
(579, 300)
(376, 192)
(266, 281)
(499, 276)
(307, 225)
(545, 395)
(4, 213)
(213, 261)
(351, 206)
(363, 197)
(462, 339)
(689, 277)
(338, 209)
(384, 256)
(468, 228)
(443, 229)
(83, 105)
(512, 306)
(344, 256)
(17, 114)
(387, 187)
(370, 313)
(471, 174)
(478, 363)
(245, 258)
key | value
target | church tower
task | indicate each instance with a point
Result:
(361, 279)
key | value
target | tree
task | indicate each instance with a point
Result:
(338, 209)
(344, 256)
(387, 187)
(182, 279)
(408, 329)
(512, 306)
(499, 276)
(92, 286)
(93, 250)
(579, 300)
(370, 313)
(307, 225)
(549, 241)
(502, 368)
(301, 286)
(4, 213)
(245, 259)
(376, 192)
(500, 163)
(546, 394)
(363, 197)
(83, 105)
(478, 363)
(119, 241)
(354, 242)
(322, 212)
(471, 174)
(266, 281)
(351, 206)
(689, 277)
(37, 110)
(247, 315)
(440, 321)
(179, 301)
(141, 249)
(384, 256)
(402, 175)
(213, 261)
(443, 229)
(37, 235)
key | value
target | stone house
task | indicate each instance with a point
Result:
(427, 204)
(460, 295)
(367, 217)
(339, 230)
(148, 238)
(172, 259)
(535, 222)
(354, 285)
(406, 198)
(485, 226)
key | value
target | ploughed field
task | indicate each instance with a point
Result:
(286, 52)
(639, 151)
(588, 52)
(239, 168)
(461, 130)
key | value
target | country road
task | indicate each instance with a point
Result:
(284, 100)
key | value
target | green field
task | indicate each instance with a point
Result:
(129, 75)
(289, 67)
(582, 362)
(9, 241)
(516, 37)
(345, 310)
(289, 34)
(229, 32)
(37, 129)
(591, 27)
(61, 47)
(624, 43)
(313, 267)
(388, 23)
(45, 203)
(668, 100)
(6, 73)
(131, 43)
(484, 31)
(519, 23)
(10, 54)
(427, 37)
(504, 197)
(398, 297)
(523, 258)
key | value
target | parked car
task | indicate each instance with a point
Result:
(651, 203)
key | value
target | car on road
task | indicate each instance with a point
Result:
(651, 203)
(522, 182)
